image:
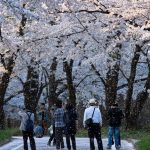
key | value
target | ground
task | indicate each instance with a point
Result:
(41, 144)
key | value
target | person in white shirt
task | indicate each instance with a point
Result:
(94, 131)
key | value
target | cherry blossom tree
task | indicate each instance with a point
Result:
(108, 42)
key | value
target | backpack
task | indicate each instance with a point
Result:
(38, 131)
(29, 123)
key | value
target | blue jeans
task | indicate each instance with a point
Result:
(113, 131)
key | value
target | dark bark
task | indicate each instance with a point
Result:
(131, 80)
(52, 90)
(30, 89)
(52, 84)
(71, 88)
(52, 98)
(8, 65)
(111, 85)
(140, 101)
(1, 33)
(22, 23)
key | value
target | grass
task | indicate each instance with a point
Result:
(141, 134)
(133, 133)
(144, 143)
(8, 133)
(125, 134)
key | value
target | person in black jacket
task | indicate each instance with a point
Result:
(70, 126)
(115, 116)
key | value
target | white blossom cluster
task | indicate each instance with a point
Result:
(86, 31)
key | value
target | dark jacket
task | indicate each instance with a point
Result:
(115, 116)
(70, 118)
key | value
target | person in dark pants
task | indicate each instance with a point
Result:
(27, 134)
(59, 125)
(94, 131)
(70, 126)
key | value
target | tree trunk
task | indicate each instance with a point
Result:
(111, 86)
(140, 101)
(52, 98)
(130, 84)
(8, 65)
(52, 90)
(31, 89)
(70, 85)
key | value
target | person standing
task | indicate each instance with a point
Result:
(70, 126)
(115, 116)
(27, 117)
(59, 125)
(52, 136)
(43, 117)
(94, 131)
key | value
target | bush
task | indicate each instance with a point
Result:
(8, 133)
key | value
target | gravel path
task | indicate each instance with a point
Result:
(41, 144)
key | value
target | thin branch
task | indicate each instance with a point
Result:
(82, 80)
(82, 10)
(124, 74)
(61, 90)
(99, 75)
(12, 96)
(125, 85)
(21, 81)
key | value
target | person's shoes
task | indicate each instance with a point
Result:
(49, 143)
(117, 147)
(108, 147)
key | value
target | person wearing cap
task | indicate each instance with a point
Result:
(115, 116)
(24, 114)
(94, 131)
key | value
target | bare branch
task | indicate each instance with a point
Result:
(99, 75)
(82, 80)
(123, 74)
(20, 80)
(83, 10)
(125, 85)
(12, 96)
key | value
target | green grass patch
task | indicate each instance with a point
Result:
(144, 143)
(125, 134)
(8, 133)
(133, 133)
